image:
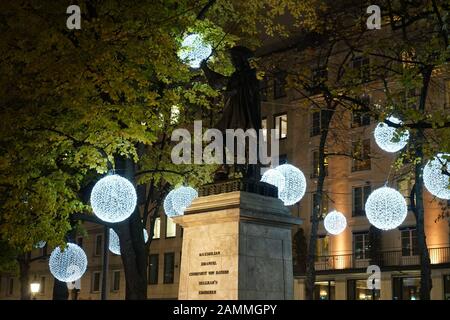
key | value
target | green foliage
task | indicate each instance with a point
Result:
(72, 100)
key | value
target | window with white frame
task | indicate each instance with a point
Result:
(42, 287)
(115, 280)
(171, 228)
(322, 246)
(96, 281)
(319, 120)
(281, 126)
(361, 245)
(360, 113)
(157, 228)
(409, 242)
(362, 67)
(98, 249)
(264, 128)
(315, 164)
(360, 195)
(361, 155)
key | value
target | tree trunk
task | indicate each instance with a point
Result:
(132, 247)
(425, 263)
(310, 260)
(60, 290)
(24, 267)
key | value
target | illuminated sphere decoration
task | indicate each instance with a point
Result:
(386, 208)
(194, 50)
(295, 184)
(182, 199)
(68, 265)
(145, 236)
(40, 244)
(114, 242)
(168, 206)
(335, 222)
(113, 198)
(437, 182)
(384, 135)
(275, 178)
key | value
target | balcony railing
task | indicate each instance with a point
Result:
(382, 259)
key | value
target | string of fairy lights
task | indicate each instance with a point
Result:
(114, 198)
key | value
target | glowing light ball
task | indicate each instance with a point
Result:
(295, 184)
(335, 222)
(386, 208)
(113, 198)
(384, 135)
(114, 242)
(68, 265)
(168, 206)
(194, 50)
(275, 178)
(40, 244)
(145, 236)
(182, 199)
(435, 180)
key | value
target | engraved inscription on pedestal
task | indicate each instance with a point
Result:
(236, 245)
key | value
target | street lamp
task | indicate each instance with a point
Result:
(35, 286)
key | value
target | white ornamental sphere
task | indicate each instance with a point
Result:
(168, 205)
(114, 242)
(182, 199)
(113, 198)
(335, 222)
(145, 236)
(194, 50)
(384, 135)
(437, 182)
(295, 184)
(275, 178)
(68, 265)
(40, 244)
(386, 208)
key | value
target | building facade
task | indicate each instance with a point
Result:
(342, 260)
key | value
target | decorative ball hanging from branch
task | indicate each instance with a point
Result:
(68, 265)
(40, 244)
(386, 136)
(335, 222)
(295, 184)
(168, 205)
(178, 200)
(194, 50)
(436, 176)
(183, 198)
(113, 198)
(386, 208)
(114, 242)
(275, 178)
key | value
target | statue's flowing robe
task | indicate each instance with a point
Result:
(242, 102)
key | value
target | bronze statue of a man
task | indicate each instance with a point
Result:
(242, 103)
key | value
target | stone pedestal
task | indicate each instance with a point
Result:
(236, 245)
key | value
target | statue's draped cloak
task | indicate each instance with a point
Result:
(242, 102)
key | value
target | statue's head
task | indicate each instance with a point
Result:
(239, 57)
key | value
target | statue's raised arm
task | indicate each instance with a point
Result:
(216, 80)
(242, 105)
